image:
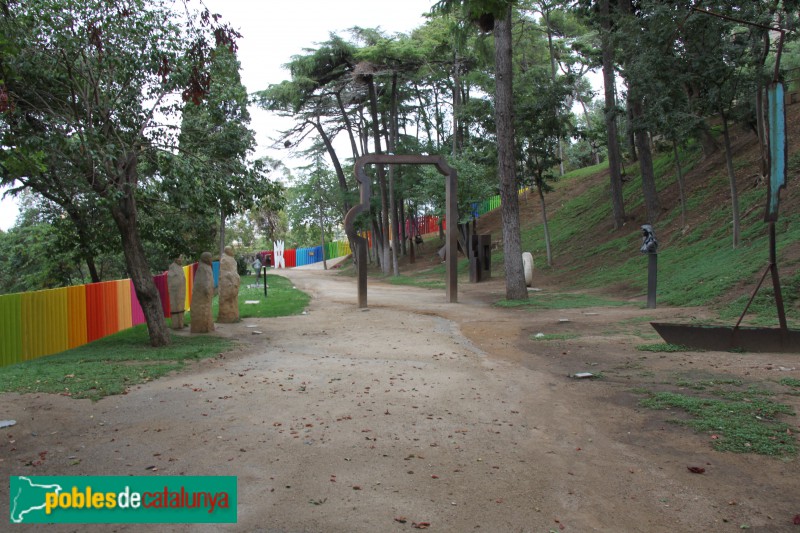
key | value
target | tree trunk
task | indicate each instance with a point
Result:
(681, 189)
(546, 14)
(649, 190)
(376, 136)
(337, 166)
(348, 126)
(322, 236)
(631, 131)
(221, 234)
(546, 228)
(509, 197)
(457, 141)
(395, 234)
(617, 201)
(402, 216)
(377, 243)
(732, 179)
(124, 214)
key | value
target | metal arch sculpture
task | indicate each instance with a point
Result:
(451, 215)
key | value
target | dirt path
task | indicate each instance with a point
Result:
(343, 420)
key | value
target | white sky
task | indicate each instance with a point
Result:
(275, 31)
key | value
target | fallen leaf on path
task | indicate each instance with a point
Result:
(696, 469)
(796, 520)
(401, 519)
(420, 525)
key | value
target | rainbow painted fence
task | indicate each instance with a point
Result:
(39, 323)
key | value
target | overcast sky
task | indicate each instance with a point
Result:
(275, 31)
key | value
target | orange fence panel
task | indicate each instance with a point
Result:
(76, 316)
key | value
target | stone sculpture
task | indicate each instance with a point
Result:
(176, 283)
(527, 265)
(202, 296)
(228, 288)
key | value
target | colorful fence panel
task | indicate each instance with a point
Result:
(337, 249)
(124, 314)
(307, 256)
(163, 292)
(188, 273)
(137, 315)
(44, 323)
(290, 257)
(39, 323)
(11, 325)
(76, 316)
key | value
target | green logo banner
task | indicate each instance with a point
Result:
(122, 499)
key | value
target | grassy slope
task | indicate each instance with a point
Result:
(697, 263)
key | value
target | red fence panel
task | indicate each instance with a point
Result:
(163, 292)
(290, 257)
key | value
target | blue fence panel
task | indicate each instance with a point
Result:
(307, 256)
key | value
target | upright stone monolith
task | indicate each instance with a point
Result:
(202, 296)
(176, 283)
(228, 288)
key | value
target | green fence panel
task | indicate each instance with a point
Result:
(11, 326)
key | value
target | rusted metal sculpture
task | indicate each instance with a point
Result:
(747, 338)
(451, 215)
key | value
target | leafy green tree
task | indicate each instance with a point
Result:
(315, 98)
(216, 138)
(90, 81)
(315, 204)
(31, 258)
(542, 119)
(496, 16)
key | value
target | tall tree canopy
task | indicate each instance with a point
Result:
(95, 86)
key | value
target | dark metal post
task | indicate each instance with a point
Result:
(361, 268)
(652, 275)
(451, 239)
(650, 247)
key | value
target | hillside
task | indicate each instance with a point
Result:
(697, 264)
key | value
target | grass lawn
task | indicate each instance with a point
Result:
(113, 364)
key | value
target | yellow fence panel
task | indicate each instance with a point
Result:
(124, 319)
(76, 316)
(44, 323)
(188, 273)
